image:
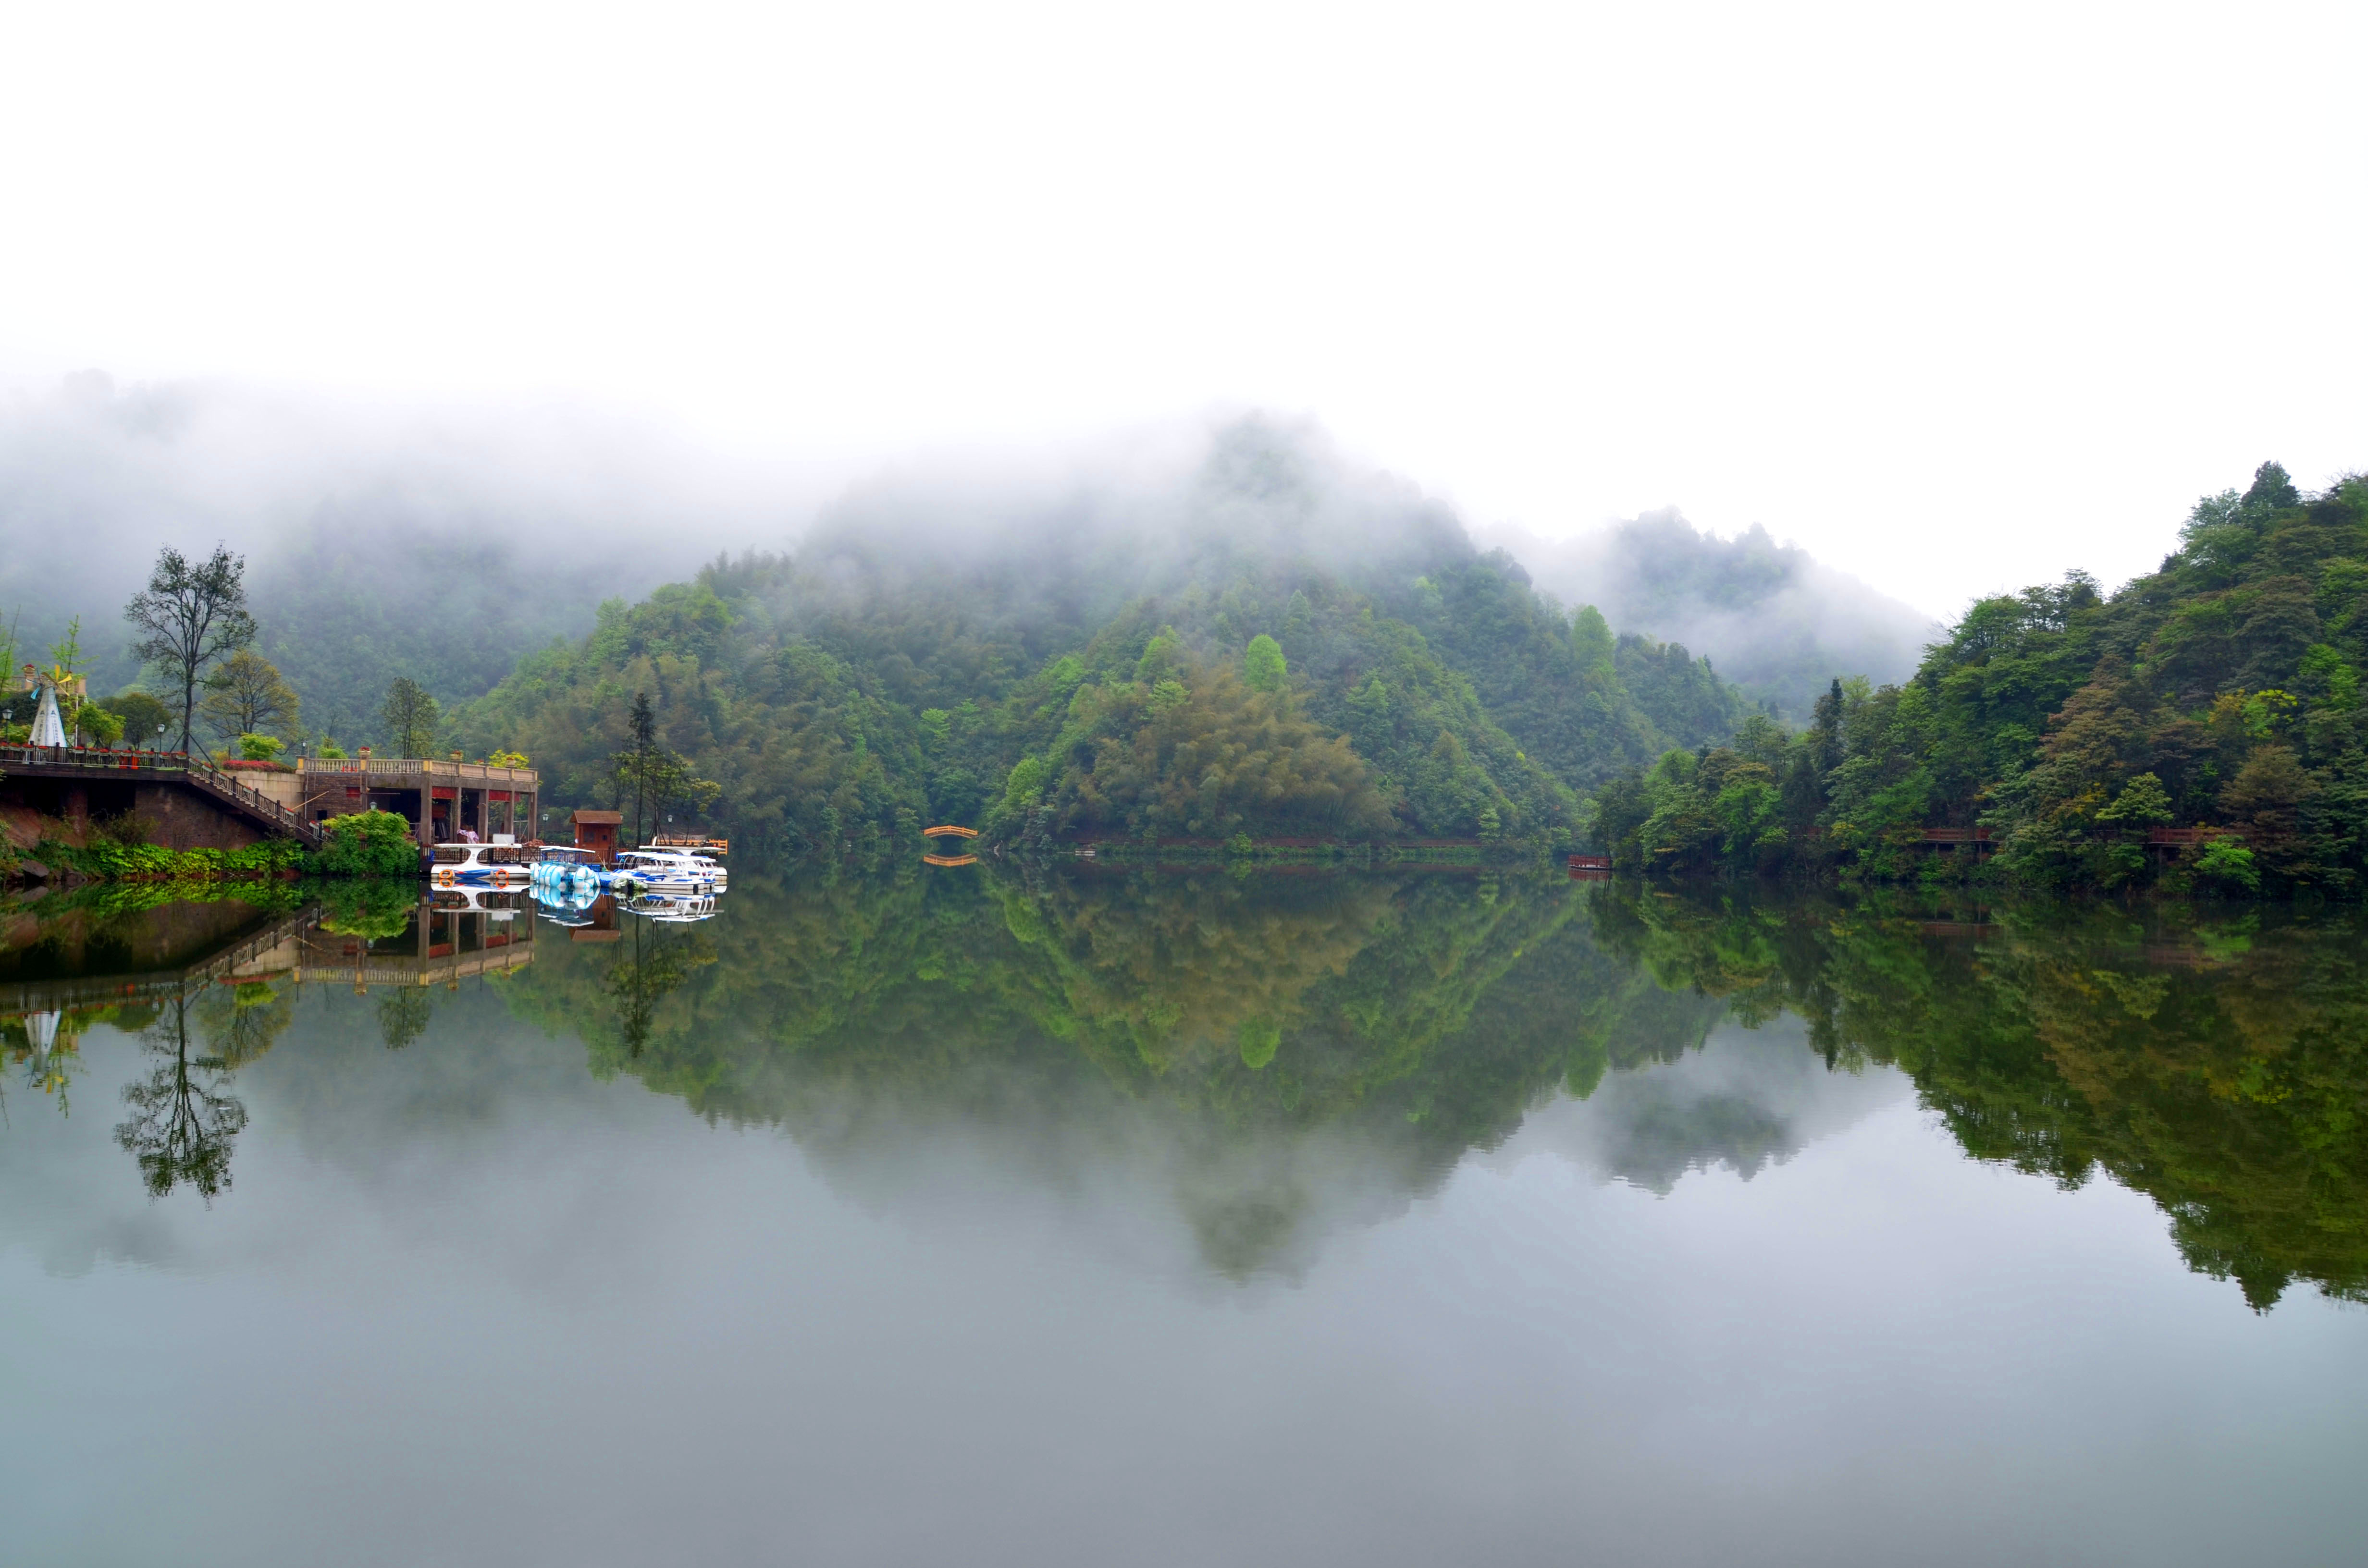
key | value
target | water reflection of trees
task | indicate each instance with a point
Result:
(1276, 1031)
(1245, 1014)
(648, 969)
(2218, 1065)
(184, 1120)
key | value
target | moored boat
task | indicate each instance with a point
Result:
(562, 868)
(492, 865)
(671, 870)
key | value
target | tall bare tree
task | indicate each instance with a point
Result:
(189, 616)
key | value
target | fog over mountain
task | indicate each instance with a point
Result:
(445, 544)
(380, 541)
(1774, 621)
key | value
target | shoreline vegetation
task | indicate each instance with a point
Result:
(362, 844)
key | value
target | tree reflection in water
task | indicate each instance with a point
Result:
(2216, 1062)
(647, 972)
(1287, 1054)
(403, 1016)
(182, 1119)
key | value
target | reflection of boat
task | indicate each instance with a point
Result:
(487, 864)
(482, 898)
(570, 905)
(667, 871)
(561, 868)
(676, 908)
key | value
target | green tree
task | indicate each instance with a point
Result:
(634, 764)
(143, 720)
(409, 717)
(2142, 802)
(660, 779)
(190, 616)
(1262, 666)
(246, 696)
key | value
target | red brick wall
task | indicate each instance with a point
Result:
(183, 819)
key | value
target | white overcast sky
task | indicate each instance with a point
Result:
(1958, 297)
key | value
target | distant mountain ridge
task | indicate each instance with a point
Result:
(1075, 658)
(1769, 617)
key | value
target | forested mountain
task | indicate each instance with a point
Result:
(1778, 624)
(1270, 643)
(2220, 692)
(345, 605)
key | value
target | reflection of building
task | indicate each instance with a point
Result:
(441, 940)
(447, 938)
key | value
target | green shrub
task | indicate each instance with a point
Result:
(2228, 864)
(260, 748)
(366, 844)
(108, 860)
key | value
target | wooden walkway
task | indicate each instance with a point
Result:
(95, 765)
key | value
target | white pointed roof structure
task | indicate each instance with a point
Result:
(48, 730)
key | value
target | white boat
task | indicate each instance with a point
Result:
(667, 871)
(492, 865)
(701, 865)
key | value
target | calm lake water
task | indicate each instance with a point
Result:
(1427, 1219)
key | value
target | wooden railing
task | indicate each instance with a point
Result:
(194, 770)
(412, 766)
(2185, 837)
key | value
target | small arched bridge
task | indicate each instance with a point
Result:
(947, 830)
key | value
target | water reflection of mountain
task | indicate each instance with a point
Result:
(2215, 1067)
(1746, 1099)
(1275, 1059)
